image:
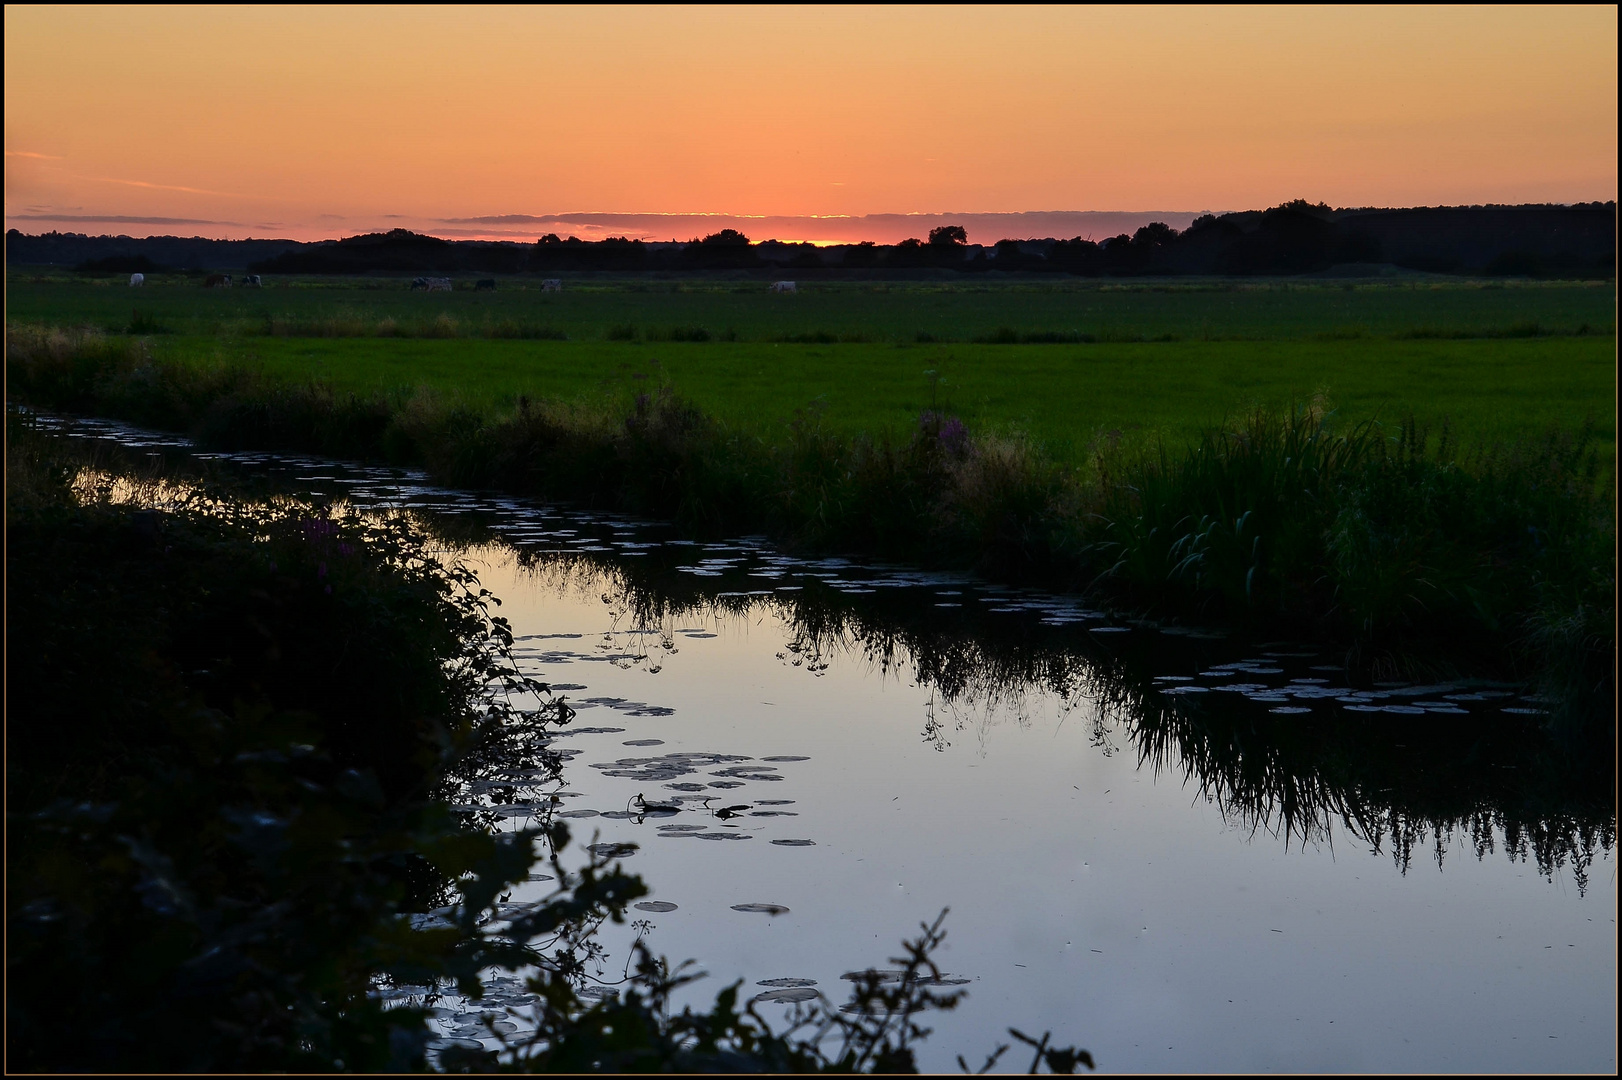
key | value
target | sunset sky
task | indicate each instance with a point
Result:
(312, 122)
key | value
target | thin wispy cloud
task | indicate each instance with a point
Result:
(825, 228)
(166, 187)
(119, 219)
(32, 155)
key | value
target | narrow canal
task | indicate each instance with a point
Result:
(1182, 850)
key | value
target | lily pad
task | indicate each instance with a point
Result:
(787, 757)
(795, 843)
(761, 909)
(789, 995)
(723, 836)
(613, 851)
(786, 982)
(655, 905)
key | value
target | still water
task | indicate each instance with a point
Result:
(1180, 850)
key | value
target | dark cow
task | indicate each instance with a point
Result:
(251, 281)
(217, 281)
(488, 283)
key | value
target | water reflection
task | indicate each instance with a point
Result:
(1415, 783)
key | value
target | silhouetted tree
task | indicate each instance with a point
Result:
(1154, 234)
(864, 254)
(949, 236)
(726, 238)
(727, 249)
(1301, 206)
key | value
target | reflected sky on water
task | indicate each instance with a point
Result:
(1090, 892)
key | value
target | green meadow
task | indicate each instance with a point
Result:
(1062, 361)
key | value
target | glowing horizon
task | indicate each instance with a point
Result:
(483, 122)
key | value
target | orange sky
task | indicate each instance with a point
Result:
(315, 121)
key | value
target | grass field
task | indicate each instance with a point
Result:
(1497, 360)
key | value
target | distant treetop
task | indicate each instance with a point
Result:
(1301, 206)
(725, 238)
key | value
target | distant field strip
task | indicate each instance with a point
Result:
(829, 312)
(1063, 396)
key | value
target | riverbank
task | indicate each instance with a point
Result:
(1391, 543)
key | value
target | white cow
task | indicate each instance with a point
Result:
(552, 285)
(137, 279)
(439, 284)
(783, 286)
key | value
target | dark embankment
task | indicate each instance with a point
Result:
(247, 739)
(1391, 542)
(230, 731)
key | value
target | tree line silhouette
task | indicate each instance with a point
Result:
(1296, 237)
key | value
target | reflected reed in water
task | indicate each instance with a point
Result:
(1485, 781)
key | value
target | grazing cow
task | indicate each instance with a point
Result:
(137, 279)
(419, 283)
(252, 280)
(783, 286)
(439, 284)
(217, 281)
(552, 284)
(487, 284)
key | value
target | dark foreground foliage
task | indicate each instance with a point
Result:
(235, 734)
(1392, 541)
